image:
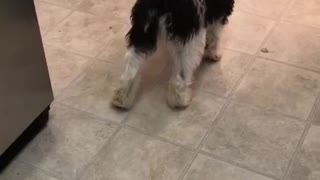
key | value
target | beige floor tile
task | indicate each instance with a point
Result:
(84, 33)
(135, 156)
(259, 139)
(64, 67)
(49, 15)
(220, 78)
(246, 32)
(205, 168)
(69, 142)
(307, 166)
(120, 9)
(187, 127)
(115, 50)
(64, 3)
(295, 45)
(267, 8)
(93, 90)
(22, 171)
(304, 12)
(275, 86)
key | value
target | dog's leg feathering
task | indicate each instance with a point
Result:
(130, 80)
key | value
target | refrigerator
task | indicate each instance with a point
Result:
(25, 89)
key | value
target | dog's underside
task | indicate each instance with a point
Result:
(191, 29)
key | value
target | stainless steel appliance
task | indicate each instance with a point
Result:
(25, 90)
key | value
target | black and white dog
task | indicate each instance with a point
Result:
(191, 29)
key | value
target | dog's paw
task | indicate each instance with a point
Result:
(212, 56)
(124, 96)
(179, 96)
(122, 99)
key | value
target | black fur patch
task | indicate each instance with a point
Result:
(182, 20)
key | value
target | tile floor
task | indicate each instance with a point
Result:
(256, 114)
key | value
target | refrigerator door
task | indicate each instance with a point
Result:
(25, 89)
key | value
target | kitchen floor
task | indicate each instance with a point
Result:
(255, 116)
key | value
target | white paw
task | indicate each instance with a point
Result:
(179, 96)
(212, 56)
(124, 96)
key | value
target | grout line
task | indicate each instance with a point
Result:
(300, 24)
(317, 101)
(95, 157)
(85, 70)
(286, 9)
(185, 170)
(274, 60)
(108, 142)
(41, 170)
(98, 118)
(269, 59)
(103, 47)
(210, 93)
(291, 118)
(239, 165)
(70, 6)
(91, 62)
(238, 10)
(77, 77)
(237, 51)
(72, 10)
(103, 119)
(185, 147)
(301, 141)
(58, 24)
(282, 19)
(67, 50)
(292, 65)
(316, 112)
(228, 101)
(50, 3)
(296, 152)
(276, 24)
(243, 75)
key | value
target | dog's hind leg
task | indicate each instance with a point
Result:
(187, 57)
(142, 42)
(130, 79)
(212, 42)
